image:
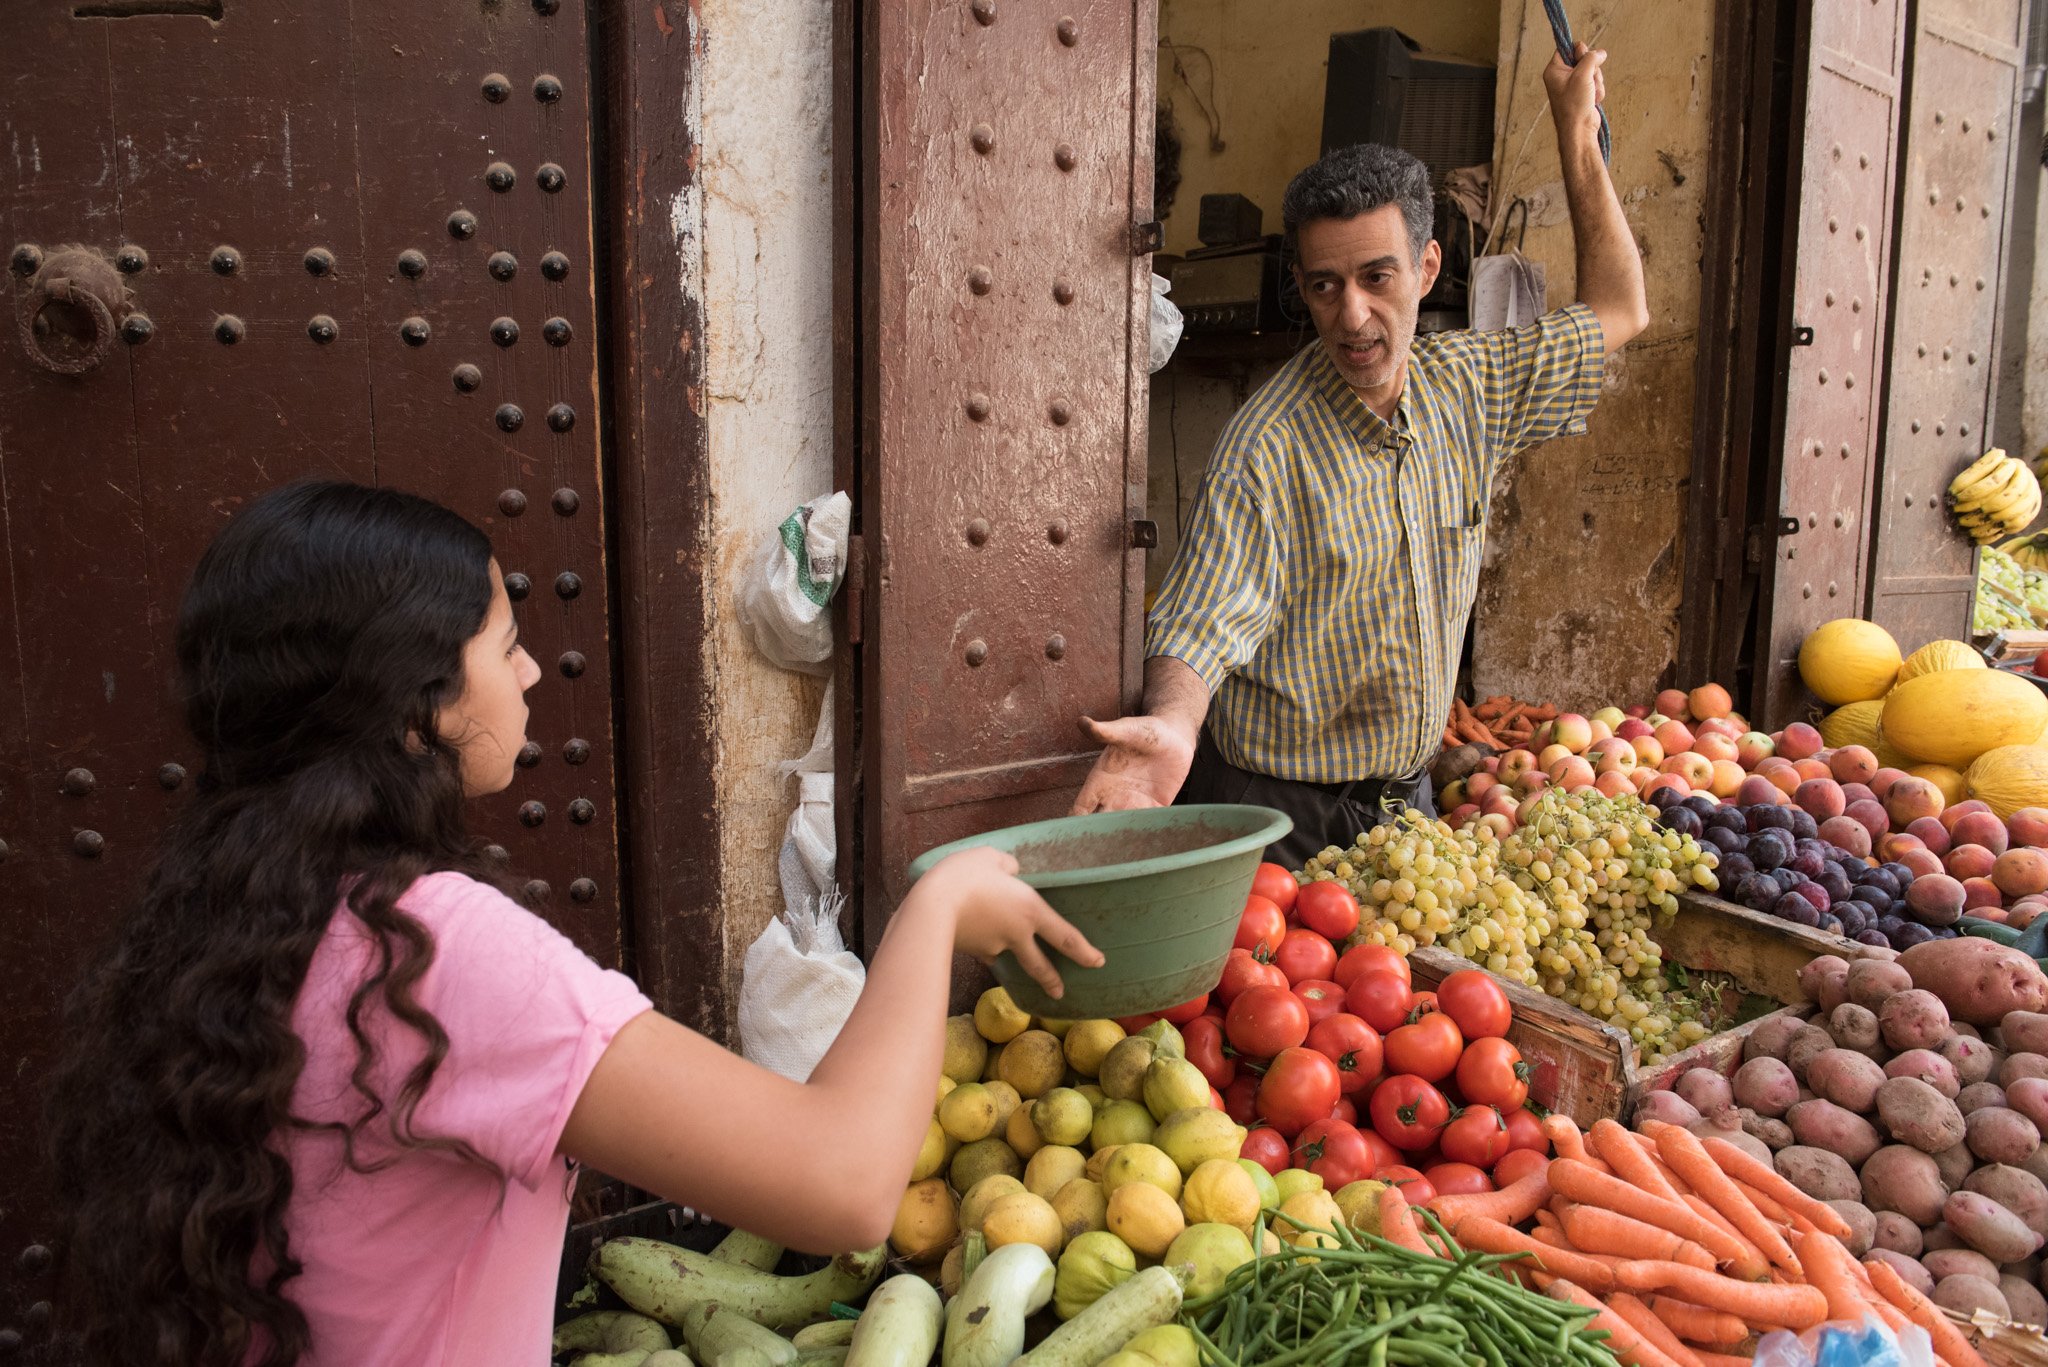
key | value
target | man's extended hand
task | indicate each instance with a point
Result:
(1144, 762)
(1576, 92)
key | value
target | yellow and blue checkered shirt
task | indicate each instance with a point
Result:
(1327, 570)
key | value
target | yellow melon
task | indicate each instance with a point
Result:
(1953, 717)
(1849, 660)
(1954, 788)
(2010, 777)
(1936, 656)
(1852, 724)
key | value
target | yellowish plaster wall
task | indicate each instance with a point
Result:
(1251, 75)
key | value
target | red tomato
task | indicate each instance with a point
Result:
(1477, 1136)
(1475, 999)
(1362, 959)
(1516, 1164)
(1265, 1020)
(1240, 1098)
(1345, 1111)
(1491, 1073)
(1525, 1131)
(1328, 909)
(1333, 1151)
(1383, 1154)
(1305, 956)
(1428, 1048)
(1381, 1000)
(1408, 1112)
(1215, 1100)
(1266, 1147)
(1413, 1184)
(1352, 1045)
(1244, 969)
(1276, 885)
(1322, 997)
(1134, 1024)
(1203, 1039)
(1262, 925)
(1299, 1089)
(1458, 1179)
(1421, 1003)
(1186, 1011)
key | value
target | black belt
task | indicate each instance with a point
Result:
(1369, 790)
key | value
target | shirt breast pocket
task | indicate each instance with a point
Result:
(1461, 545)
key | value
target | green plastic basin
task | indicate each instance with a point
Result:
(1158, 891)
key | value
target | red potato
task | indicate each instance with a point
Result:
(1940, 1237)
(1855, 1027)
(1973, 1059)
(1873, 982)
(1772, 1038)
(1998, 1135)
(2025, 1032)
(1988, 1227)
(1978, 980)
(1820, 1173)
(1977, 1096)
(1774, 1134)
(1908, 1268)
(1904, 1179)
(2018, 1190)
(1727, 1124)
(1816, 972)
(1847, 1078)
(1914, 1113)
(1968, 1295)
(1766, 1086)
(1895, 1234)
(1808, 1043)
(2018, 1066)
(2029, 1096)
(1669, 1107)
(1930, 1067)
(1705, 1089)
(1959, 1262)
(1955, 1164)
(1833, 1129)
(1914, 1020)
(1862, 1226)
(2024, 1300)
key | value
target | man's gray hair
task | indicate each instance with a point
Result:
(1355, 180)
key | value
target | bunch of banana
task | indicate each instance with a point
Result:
(2030, 551)
(1997, 496)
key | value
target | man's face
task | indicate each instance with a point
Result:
(1364, 291)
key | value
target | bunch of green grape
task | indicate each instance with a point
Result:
(2007, 594)
(1565, 903)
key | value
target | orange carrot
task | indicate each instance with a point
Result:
(1511, 1205)
(1689, 1158)
(1772, 1211)
(1721, 1359)
(1595, 1229)
(1554, 1237)
(1563, 1133)
(1828, 1266)
(1545, 1220)
(1628, 1160)
(1397, 1221)
(1452, 740)
(1752, 1261)
(1491, 1236)
(1627, 1344)
(1766, 1179)
(1794, 1306)
(1581, 1183)
(1641, 1320)
(1950, 1343)
(1697, 1324)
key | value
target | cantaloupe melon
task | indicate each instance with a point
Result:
(1956, 715)
(1852, 724)
(1936, 656)
(1849, 660)
(2010, 777)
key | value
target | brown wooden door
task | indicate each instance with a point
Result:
(354, 244)
(1840, 284)
(1008, 158)
(1954, 229)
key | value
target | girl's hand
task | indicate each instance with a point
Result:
(993, 911)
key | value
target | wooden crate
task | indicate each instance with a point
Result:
(1586, 1069)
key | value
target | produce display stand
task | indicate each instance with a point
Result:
(2002, 1343)
(1587, 1069)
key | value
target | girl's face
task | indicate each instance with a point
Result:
(487, 724)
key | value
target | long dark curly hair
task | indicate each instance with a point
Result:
(322, 631)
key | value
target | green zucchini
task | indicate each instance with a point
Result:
(826, 1335)
(985, 1322)
(664, 1281)
(742, 1249)
(610, 1332)
(1146, 1301)
(900, 1327)
(725, 1338)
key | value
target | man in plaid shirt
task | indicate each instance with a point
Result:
(1303, 648)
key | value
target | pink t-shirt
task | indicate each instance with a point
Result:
(422, 1264)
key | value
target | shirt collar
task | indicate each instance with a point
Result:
(1353, 411)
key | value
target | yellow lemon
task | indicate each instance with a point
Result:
(1291, 1182)
(998, 1019)
(1033, 1063)
(1146, 1218)
(1122, 1073)
(1359, 1203)
(926, 1221)
(1122, 1122)
(968, 1112)
(1219, 1192)
(1089, 1042)
(1212, 1251)
(982, 1195)
(1198, 1134)
(1098, 1162)
(1007, 1102)
(1317, 1215)
(1022, 1218)
(1022, 1136)
(1082, 1207)
(946, 1085)
(1269, 1192)
(983, 1158)
(966, 1050)
(932, 1155)
(1052, 1025)
(1093, 1265)
(1165, 1345)
(1062, 1116)
(1141, 1163)
(1052, 1167)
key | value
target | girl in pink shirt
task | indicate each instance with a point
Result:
(323, 1094)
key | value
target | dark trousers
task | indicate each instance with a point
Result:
(1325, 814)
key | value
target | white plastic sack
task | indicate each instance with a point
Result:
(1166, 323)
(800, 986)
(783, 601)
(1508, 291)
(809, 864)
(1838, 1343)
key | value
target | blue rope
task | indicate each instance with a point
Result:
(1561, 30)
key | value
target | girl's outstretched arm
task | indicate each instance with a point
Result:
(821, 1165)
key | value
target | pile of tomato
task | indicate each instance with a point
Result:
(1338, 1065)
